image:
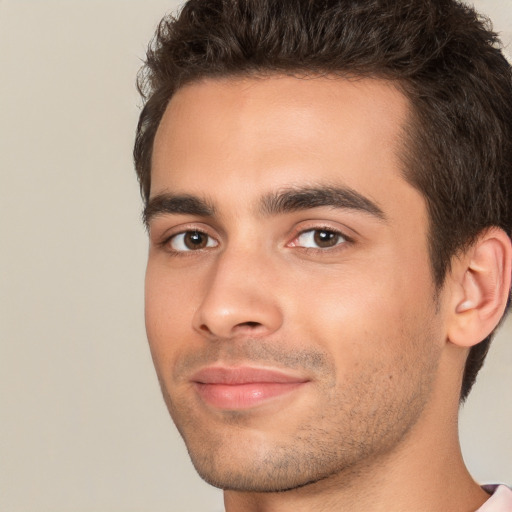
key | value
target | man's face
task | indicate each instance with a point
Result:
(289, 299)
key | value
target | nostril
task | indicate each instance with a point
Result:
(238, 329)
(249, 324)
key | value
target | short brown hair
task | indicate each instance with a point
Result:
(457, 150)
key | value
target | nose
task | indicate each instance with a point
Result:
(239, 298)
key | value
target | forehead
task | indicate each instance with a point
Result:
(219, 136)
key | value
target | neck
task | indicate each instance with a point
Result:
(426, 478)
(424, 473)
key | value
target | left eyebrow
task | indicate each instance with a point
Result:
(305, 198)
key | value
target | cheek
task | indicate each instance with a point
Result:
(169, 307)
(365, 305)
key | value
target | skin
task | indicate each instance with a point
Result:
(374, 426)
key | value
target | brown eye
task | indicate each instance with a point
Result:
(319, 239)
(195, 240)
(191, 241)
(324, 238)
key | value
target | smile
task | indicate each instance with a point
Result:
(243, 387)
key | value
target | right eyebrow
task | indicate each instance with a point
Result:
(185, 204)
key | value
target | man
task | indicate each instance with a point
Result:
(328, 198)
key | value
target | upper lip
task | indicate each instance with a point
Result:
(243, 375)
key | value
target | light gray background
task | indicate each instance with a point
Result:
(83, 426)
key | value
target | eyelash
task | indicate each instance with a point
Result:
(166, 243)
(327, 229)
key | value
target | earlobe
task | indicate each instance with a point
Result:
(482, 288)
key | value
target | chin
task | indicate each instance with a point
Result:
(255, 477)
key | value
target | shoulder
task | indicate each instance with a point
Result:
(500, 500)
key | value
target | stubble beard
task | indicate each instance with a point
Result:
(351, 428)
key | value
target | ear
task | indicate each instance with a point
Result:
(480, 288)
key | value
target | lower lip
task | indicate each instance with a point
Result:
(243, 396)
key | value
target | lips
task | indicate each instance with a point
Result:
(243, 387)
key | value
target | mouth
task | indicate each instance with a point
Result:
(237, 388)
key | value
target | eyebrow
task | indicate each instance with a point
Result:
(183, 204)
(276, 203)
(305, 198)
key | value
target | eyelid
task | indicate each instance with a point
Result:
(300, 230)
(165, 238)
(176, 237)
